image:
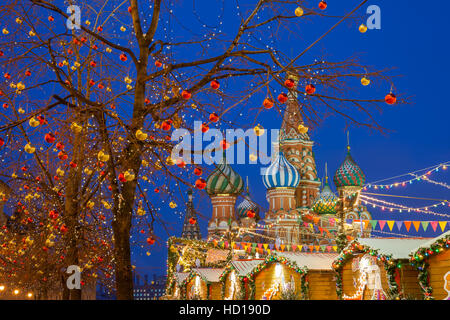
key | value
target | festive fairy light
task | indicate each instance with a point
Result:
(400, 208)
(403, 183)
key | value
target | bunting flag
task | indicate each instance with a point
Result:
(416, 225)
(334, 248)
(425, 225)
(399, 224)
(282, 247)
(390, 224)
(265, 245)
(294, 247)
(382, 224)
(300, 247)
(407, 225)
(434, 225)
(442, 224)
(373, 223)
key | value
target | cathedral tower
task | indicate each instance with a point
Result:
(297, 147)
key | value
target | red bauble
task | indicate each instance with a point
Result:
(93, 64)
(322, 5)
(7, 75)
(123, 57)
(122, 178)
(51, 19)
(147, 101)
(289, 83)
(205, 127)
(83, 39)
(150, 240)
(181, 163)
(215, 84)
(186, 95)
(251, 213)
(99, 28)
(310, 89)
(192, 220)
(100, 86)
(390, 98)
(165, 125)
(213, 117)
(72, 164)
(200, 183)
(28, 73)
(50, 138)
(1, 53)
(129, 9)
(64, 229)
(158, 64)
(156, 190)
(224, 144)
(282, 97)
(53, 214)
(198, 171)
(69, 51)
(91, 82)
(268, 103)
(2, 142)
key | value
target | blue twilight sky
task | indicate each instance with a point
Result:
(414, 40)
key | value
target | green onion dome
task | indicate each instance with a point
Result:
(326, 201)
(224, 180)
(349, 174)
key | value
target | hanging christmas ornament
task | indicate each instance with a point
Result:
(365, 81)
(289, 83)
(62, 156)
(192, 220)
(123, 57)
(268, 103)
(204, 127)
(99, 29)
(158, 64)
(169, 161)
(302, 128)
(224, 144)
(251, 213)
(259, 130)
(166, 125)
(123, 29)
(362, 28)
(198, 171)
(150, 240)
(129, 175)
(390, 99)
(215, 85)
(181, 163)
(141, 135)
(33, 122)
(310, 89)
(172, 205)
(50, 138)
(60, 146)
(2, 142)
(213, 117)
(75, 127)
(186, 95)
(282, 97)
(51, 19)
(29, 148)
(322, 5)
(102, 156)
(298, 12)
(200, 184)
(122, 178)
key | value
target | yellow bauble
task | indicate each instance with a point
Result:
(18, 20)
(302, 129)
(259, 131)
(75, 127)
(5, 31)
(33, 122)
(29, 149)
(365, 81)
(87, 171)
(102, 156)
(32, 33)
(123, 29)
(129, 175)
(140, 212)
(169, 161)
(172, 205)
(362, 28)
(141, 135)
(60, 172)
(299, 12)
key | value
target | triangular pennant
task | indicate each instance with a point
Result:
(282, 247)
(407, 225)
(294, 246)
(416, 225)
(311, 248)
(268, 252)
(323, 248)
(373, 223)
(329, 248)
(399, 224)
(366, 224)
(265, 245)
(442, 224)
(382, 224)
(434, 225)
(317, 248)
(232, 244)
(390, 224)
(300, 247)
(425, 225)
(334, 248)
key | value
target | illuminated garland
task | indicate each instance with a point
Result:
(419, 260)
(409, 181)
(353, 249)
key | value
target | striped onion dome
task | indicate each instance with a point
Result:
(349, 173)
(326, 201)
(245, 205)
(224, 180)
(281, 174)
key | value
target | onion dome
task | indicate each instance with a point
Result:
(281, 174)
(349, 174)
(246, 205)
(224, 180)
(326, 201)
